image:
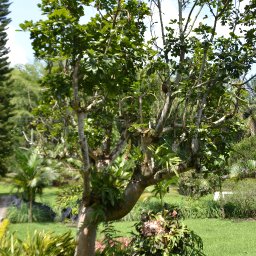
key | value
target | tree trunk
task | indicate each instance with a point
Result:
(86, 234)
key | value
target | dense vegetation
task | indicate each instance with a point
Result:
(112, 114)
(5, 91)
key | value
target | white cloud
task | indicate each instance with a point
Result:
(18, 53)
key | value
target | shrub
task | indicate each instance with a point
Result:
(70, 196)
(204, 207)
(196, 185)
(163, 234)
(41, 213)
(243, 150)
(112, 244)
(43, 244)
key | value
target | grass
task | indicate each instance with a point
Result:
(5, 188)
(225, 237)
(23, 229)
(221, 237)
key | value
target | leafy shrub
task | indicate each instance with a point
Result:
(43, 244)
(204, 207)
(195, 184)
(242, 159)
(21, 215)
(244, 150)
(112, 244)
(70, 196)
(163, 234)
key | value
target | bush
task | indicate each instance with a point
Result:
(112, 244)
(162, 234)
(70, 196)
(196, 185)
(243, 150)
(41, 213)
(190, 208)
(43, 244)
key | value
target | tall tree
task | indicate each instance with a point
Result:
(5, 90)
(132, 130)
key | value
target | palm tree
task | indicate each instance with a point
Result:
(31, 176)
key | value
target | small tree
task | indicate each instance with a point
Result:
(129, 98)
(31, 176)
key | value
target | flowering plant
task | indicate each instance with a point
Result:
(163, 234)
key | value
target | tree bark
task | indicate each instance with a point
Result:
(86, 234)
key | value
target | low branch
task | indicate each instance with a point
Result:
(119, 146)
(169, 128)
(247, 81)
(132, 193)
(136, 187)
(93, 104)
(166, 174)
(222, 119)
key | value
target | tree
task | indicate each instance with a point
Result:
(25, 98)
(5, 90)
(132, 130)
(31, 175)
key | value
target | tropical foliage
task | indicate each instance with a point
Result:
(40, 243)
(164, 106)
(31, 175)
(163, 234)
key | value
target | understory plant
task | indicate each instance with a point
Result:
(197, 184)
(21, 215)
(3, 227)
(112, 244)
(163, 234)
(40, 244)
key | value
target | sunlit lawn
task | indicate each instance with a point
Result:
(22, 230)
(226, 237)
(221, 237)
(6, 188)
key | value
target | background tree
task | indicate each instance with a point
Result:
(25, 98)
(132, 130)
(5, 90)
(31, 175)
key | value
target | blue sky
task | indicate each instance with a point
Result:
(19, 42)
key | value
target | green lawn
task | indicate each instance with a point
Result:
(22, 230)
(226, 237)
(5, 188)
(220, 237)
